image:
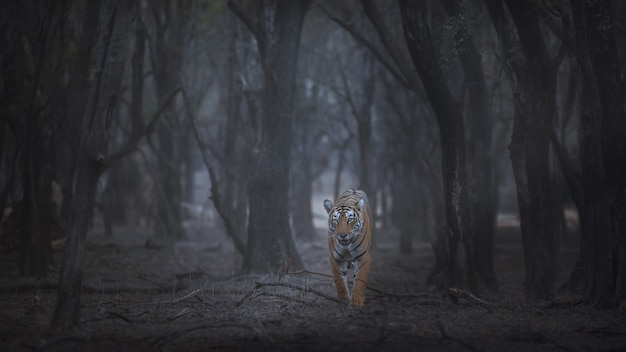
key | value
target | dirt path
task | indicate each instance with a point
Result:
(190, 297)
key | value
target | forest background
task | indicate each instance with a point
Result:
(452, 115)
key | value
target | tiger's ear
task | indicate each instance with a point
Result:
(360, 203)
(328, 205)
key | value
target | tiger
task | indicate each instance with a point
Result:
(349, 239)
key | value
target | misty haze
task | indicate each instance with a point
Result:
(313, 175)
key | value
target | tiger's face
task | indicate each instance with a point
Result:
(344, 222)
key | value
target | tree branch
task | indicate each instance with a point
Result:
(215, 194)
(131, 145)
(252, 25)
(364, 41)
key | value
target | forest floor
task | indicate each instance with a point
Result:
(189, 297)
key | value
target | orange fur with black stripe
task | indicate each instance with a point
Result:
(349, 239)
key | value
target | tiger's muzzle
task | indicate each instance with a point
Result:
(344, 239)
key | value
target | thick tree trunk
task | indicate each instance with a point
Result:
(270, 244)
(404, 203)
(480, 168)
(452, 137)
(603, 154)
(300, 198)
(115, 23)
(534, 86)
(170, 21)
(529, 150)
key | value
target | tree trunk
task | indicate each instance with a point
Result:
(170, 24)
(603, 148)
(404, 203)
(277, 30)
(115, 23)
(452, 137)
(301, 192)
(480, 168)
(534, 92)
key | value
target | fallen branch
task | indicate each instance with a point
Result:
(456, 295)
(181, 313)
(301, 288)
(393, 295)
(304, 271)
(289, 298)
(191, 294)
(195, 293)
(115, 290)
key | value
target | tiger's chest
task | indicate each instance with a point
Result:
(347, 253)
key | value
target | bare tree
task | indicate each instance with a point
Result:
(452, 136)
(479, 134)
(169, 35)
(276, 26)
(533, 80)
(35, 41)
(114, 24)
(603, 153)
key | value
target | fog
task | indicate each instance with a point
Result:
(466, 123)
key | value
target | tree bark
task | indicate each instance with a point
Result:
(277, 30)
(602, 146)
(533, 80)
(168, 44)
(115, 22)
(452, 137)
(479, 134)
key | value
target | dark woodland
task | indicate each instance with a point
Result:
(164, 165)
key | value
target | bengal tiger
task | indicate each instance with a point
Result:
(349, 239)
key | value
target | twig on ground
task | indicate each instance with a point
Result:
(120, 316)
(456, 294)
(302, 288)
(191, 294)
(393, 295)
(247, 296)
(304, 271)
(115, 290)
(295, 299)
(181, 313)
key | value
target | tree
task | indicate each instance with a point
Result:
(35, 39)
(277, 28)
(603, 154)
(533, 80)
(170, 33)
(479, 134)
(114, 24)
(452, 137)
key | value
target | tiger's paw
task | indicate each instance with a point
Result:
(357, 300)
(343, 296)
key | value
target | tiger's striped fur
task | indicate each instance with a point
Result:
(349, 239)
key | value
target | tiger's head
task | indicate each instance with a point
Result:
(344, 222)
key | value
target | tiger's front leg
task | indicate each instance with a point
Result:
(340, 270)
(361, 274)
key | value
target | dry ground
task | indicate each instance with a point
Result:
(189, 297)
